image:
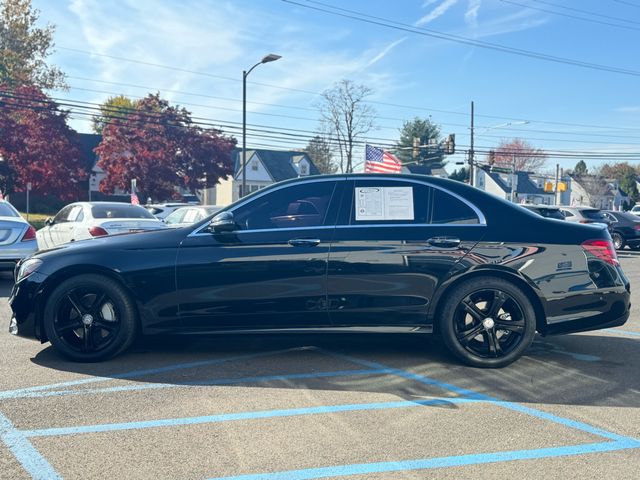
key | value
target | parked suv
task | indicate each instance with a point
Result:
(584, 215)
(546, 211)
(625, 229)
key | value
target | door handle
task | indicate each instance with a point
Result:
(444, 242)
(304, 242)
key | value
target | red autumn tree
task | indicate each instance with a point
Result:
(160, 147)
(527, 158)
(37, 146)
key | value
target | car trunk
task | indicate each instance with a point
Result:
(11, 231)
(125, 225)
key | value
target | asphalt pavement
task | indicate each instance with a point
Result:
(323, 406)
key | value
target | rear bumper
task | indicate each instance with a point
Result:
(12, 254)
(592, 311)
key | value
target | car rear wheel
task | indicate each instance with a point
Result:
(90, 318)
(487, 322)
(618, 241)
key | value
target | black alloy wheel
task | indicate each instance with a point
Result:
(618, 241)
(487, 322)
(89, 318)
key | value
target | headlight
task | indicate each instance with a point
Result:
(27, 268)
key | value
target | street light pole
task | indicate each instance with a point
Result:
(245, 73)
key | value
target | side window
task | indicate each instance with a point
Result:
(567, 213)
(449, 209)
(375, 202)
(63, 215)
(176, 217)
(303, 205)
(191, 216)
(75, 215)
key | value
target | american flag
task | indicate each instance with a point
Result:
(379, 161)
(134, 198)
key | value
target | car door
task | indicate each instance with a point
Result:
(270, 272)
(50, 235)
(395, 241)
(66, 230)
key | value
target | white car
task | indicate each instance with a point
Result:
(185, 216)
(635, 210)
(17, 237)
(84, 220)
(161, 210)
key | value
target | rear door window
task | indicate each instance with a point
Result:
(451, 210)
(388, 202)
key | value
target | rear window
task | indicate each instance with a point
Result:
(594, 215)
(549, 212)
(7, 211)
(120, 211)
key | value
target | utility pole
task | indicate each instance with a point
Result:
(514, 179)
(471, 152)
(555, 190)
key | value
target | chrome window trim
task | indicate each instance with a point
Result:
(481, 218)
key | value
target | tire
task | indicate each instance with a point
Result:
(90, 318)
(618, 241)
(471, 330)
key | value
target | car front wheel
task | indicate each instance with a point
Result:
(90, 318)
(487, 322)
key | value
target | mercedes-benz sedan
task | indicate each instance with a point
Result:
(403, 253)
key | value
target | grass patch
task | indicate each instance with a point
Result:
(36, 219)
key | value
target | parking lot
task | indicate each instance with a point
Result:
(324, 406)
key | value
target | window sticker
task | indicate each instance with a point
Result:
(384, 203)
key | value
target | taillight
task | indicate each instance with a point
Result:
(30, 234)
(636, 226)
(602, 249)
(97, 232)
(585, 221)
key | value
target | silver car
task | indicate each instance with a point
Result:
(17, 237)
(185, 216)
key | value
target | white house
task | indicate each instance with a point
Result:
(264, 167)
(527, 189)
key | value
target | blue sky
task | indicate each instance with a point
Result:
(555, 106)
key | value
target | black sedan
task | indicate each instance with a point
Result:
(405, 253)
(624, 228)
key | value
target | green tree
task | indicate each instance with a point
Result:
(580, 168)
(461, 175)
(319, 150)
(428, 133)
(629, 186)
(114, 109)
(24, 47)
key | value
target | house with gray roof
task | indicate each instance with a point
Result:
(527, 189)
(264, 167)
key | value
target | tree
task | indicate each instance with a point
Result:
(527, 158)
(427, 133)
(319, 150)
(346, 117)
(37, 146)
(461, 175)
(114, 109)
(24, 47)
(161, 148)
(629, 186)
(580, 168)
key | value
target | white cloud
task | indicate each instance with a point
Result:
(471, 15)
(629, 109)
(436, 12)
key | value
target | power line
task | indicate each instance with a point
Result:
(631, 4)
(587, 12)
(568, 15)
(378, 21)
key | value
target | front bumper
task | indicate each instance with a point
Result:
(24, 301)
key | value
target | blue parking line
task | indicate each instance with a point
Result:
(486, 398)
(18, 393)
(622, 332)
(174, 422)
(439, 462)
(30, 459)
(199, 383)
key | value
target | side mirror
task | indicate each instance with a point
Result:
(48, 222)
(223, 222)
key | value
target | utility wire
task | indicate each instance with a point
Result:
(382, 22)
